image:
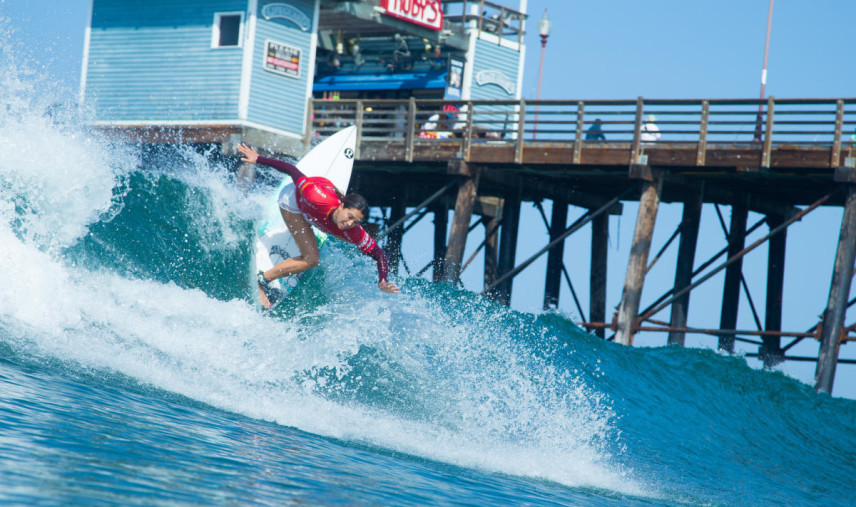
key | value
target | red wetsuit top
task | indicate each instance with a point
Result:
(317, 198)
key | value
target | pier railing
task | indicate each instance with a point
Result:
(706, 124)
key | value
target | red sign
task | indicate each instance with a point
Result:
(427, 13)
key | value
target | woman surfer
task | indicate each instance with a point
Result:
(309, 201)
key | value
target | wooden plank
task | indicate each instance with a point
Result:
(521, 124)
(578, 138)
(359, 127)
(768, 134)
(835, 159)
(702, 135)
(637, 132)
(411, 129)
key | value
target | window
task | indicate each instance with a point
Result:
(227, 29)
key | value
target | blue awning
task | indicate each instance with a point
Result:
(380, 81)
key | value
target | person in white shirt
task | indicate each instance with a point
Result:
(650, 132)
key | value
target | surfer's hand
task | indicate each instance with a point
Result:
(389, 288)
(250, 155)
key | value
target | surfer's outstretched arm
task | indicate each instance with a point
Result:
(251, 156)
(382, 270)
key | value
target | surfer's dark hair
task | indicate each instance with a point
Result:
(357, 202)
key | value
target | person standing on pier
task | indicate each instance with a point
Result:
(650, 131)
(595, 132)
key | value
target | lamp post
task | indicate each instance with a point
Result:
(544, 26)
(758, 128)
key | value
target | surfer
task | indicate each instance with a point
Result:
(309, 201)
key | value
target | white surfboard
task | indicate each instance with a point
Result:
(332, 159)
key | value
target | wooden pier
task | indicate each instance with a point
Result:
(780, 158)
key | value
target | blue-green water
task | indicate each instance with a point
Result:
(135, 367)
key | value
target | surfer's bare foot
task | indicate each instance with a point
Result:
(264, 289)
(263, 299)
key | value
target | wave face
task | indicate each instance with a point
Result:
(137, 367)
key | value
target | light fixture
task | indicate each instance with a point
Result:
(544, 26)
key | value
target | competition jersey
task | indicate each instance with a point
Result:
(317, 198)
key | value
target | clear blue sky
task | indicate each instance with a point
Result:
(622, 49)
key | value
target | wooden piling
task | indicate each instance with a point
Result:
(733, 273)
(553, 282)
(597, 278)
(491, 273)
(467, 190)
(441, 224)
(393, 244)
(628, 311)
(508, 243)
(839, 291)
(684, 268)
(771, 351)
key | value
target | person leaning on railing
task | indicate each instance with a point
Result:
(595, 132)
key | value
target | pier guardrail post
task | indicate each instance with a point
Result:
(468, 133)
(578, 137)
(521, 124)
(701, 152)
(411, 129)
(768, 134)
(310, 116)
(835, 159)
(359, 120)
(637, 132)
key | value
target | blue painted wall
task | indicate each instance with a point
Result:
(492, 56)
(151, 60)
(275, 100)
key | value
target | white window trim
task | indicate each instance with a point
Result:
(215, 29)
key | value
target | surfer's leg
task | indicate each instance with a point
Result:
(303, 236)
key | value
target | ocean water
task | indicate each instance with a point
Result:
(136, 368)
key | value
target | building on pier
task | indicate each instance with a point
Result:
(213, 71)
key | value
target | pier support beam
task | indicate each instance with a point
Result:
(733, 273)
(393, 244)
(508, 244)
(553, 282)
(441, 223)
(597, 278)
(491, 243)
(771, 351)
(839, 291)
(684, 269)
(467, 191)
(628, 312)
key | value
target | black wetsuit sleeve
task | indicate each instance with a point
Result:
(283, 167)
